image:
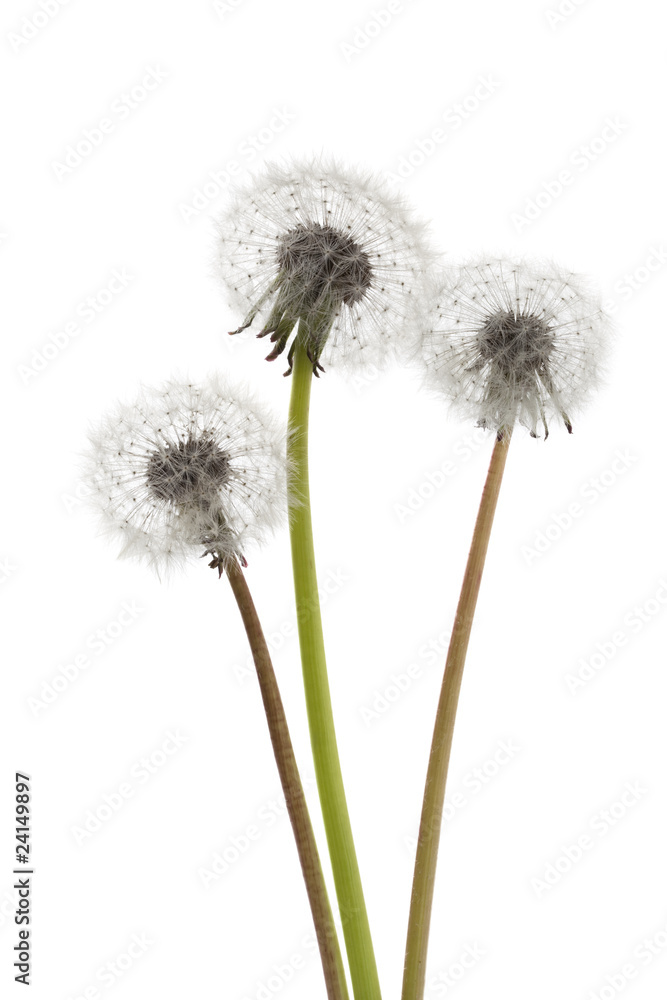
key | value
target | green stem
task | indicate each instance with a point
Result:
(347, 879)
(332, 961)
(423, 884)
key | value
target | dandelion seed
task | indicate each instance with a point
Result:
(188, 470)
(331, 250)
(512, 342)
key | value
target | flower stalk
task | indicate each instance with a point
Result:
(363, 969)
(423, 885)
(327, 939)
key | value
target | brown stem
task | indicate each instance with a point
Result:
(332, 962)
(421, 902)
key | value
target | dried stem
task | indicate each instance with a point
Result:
(332, 962)
(421, 902)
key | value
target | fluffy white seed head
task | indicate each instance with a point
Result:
(331, 249)
(509, 341)
(188, 470)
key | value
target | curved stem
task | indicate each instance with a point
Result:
(363, 969)
(332, 962)
(423, 884)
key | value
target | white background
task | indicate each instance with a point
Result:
(371, 95)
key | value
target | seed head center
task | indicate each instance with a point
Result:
(320, 259)
(189, 471)
(518, 345)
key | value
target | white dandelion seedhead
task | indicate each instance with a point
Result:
(331, 249)
(510, 341)
(188, 470)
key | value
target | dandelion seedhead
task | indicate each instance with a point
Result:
(512, 342)
(188, 470)
(329, 250)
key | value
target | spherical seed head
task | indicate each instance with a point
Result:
(188, 470)
(509, 341)
(330, 249)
